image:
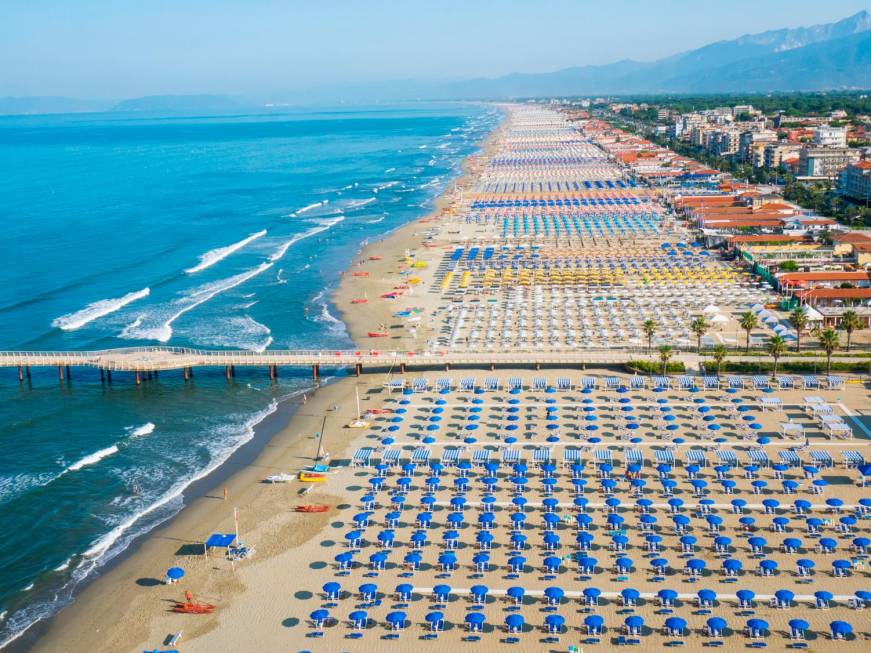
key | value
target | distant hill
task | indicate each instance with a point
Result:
(179, 103)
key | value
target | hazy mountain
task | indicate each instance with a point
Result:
(179, 103)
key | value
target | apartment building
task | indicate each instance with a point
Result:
(825, 162)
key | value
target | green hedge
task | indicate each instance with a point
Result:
(655, 367)
(818, 367)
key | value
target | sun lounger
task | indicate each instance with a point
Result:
(443, 383)
(420, 456)
(571, 455)
(510, 456)
(789, 457)
(539, 384)
(664, 456)
(602, 455)
(852, 459)
(727, 457)
(480, 457)
(821, 458)
(660, 383)
(467, 384)
(810, 381)
(710, 382)
(450, 456)
(391, 457)
(541, 456)
(735, 382)
(758, 457)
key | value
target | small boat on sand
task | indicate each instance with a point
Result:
(359, 300)
(311, 477)
(378, 334)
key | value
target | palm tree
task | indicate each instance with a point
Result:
(799, 320)
(776, 348)
(850, 321)
(719, 355)
(649, 328)
(699, 326)
(748, 323)
(829, 342)
(665, 354)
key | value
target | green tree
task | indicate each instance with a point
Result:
(850, 321)
(799, 320)
(649, 328)
(829, 342)
(788, 266)
(748, 323)
(776, 349)
(665, 354)
(719, 355)
(699, 326)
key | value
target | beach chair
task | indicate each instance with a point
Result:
(491, 384)
(852, 459)
(822, 458)
(602, 456)
(467, 384)
(758, 457)
(660, 383)
(419, 385)
(785, 382)
(443, 383)
(834, 382)
(727, 457)
(394, 384)
(420, 456)
(515, 383)
(563, 383)
(612, 382)
(634, 456)
(685, 382)
(734, 382)
(589, 382)
(480, 457)
(362, 456)
(789, 457)
(571, 456)
(810, 381)
(710, 382)
(541, 456)
(450, 456)
(696, 457)
(510, 456)
(664, 456)
(390, 457)
(637, 382)
(760, 382)
(539, 384)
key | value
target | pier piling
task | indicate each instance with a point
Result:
(316, 371)
(60, 373)
(102, 376)
(402, 368)
(21, 374)
(186, 373)
(109, 376)
(273, 372)
(69, 374)
(136, 378)
(358, 369)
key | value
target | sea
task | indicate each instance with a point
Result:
(225, 231)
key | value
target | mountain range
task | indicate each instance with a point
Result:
(832, 56)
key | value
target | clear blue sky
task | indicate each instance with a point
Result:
(124, 48)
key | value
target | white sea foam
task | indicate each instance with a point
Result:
(356, 204)
(92, 459)
(321, 225)
(376, 220)
(158, 324)
(238, 332)
(213, 256)
(96, 310)
(307, 208)
(390, 170)
(385, 185)
(141, 431)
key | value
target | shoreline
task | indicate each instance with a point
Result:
(116, 590)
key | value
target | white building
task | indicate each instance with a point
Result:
(826, 136)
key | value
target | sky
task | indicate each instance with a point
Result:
(128, 48)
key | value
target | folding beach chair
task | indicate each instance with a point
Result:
(760, 382)
(420, 456)
(419, 385)
(589, 382)
(634, 456)
(785, 382)
(514, 383)
(834, 382)
(611, 382)
(758, 457)
(539, 384)
(710, 382)
(563, 383)
(571, 456)
(810, 381)
(685, 382)
(491, 383)
(467, 383)
(637, 382)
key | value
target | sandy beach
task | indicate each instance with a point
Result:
(561, 425)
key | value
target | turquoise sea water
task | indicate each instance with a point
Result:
(224, 231)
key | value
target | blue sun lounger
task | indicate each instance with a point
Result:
(571, 456)
(822, 458)
(541, 456)
(362, 457)
(480, 457)
(511, 456)
(789, 457)
(852, 459)
(420, 456)
(696, 457)
(444, 383)
(450, 456)
(664, 456)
